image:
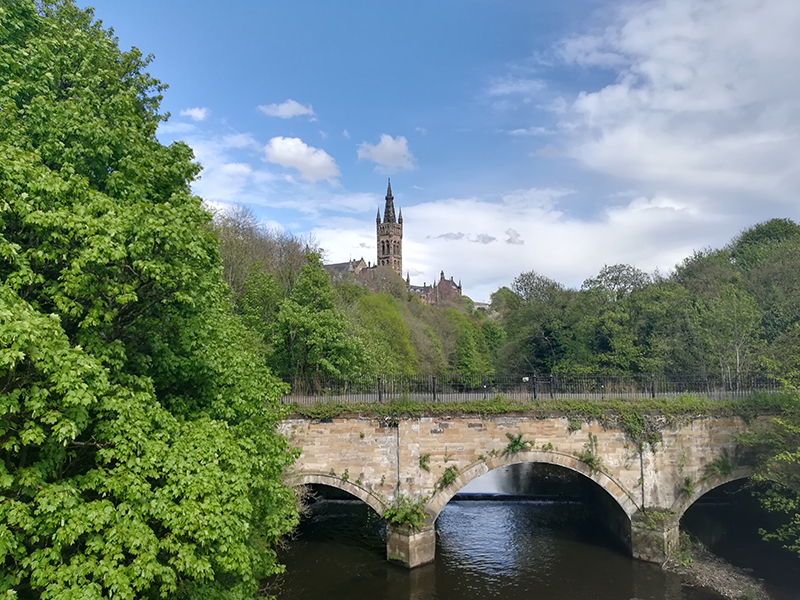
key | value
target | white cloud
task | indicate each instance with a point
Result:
(526, 131)
(176, 128)
(346, 134)
(706, 100)
(196, 114)
(287, 110)
(546, 239)
(239, 140)
(312, 163)
(390, 154)
(506, 86)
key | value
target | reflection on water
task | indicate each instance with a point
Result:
(510, 550)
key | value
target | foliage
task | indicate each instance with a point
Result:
(247, 246)
(574, 425)
(777, 476)
(720, 466)
(423, 461)
(640, 418)
(137, 421)
(685, 547)
(653, 519)
(310, 335)
(589, 454)
(688, 486)
(516, 444)
(407, 512)
(448, 476)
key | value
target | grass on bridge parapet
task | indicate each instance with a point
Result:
(641, 418)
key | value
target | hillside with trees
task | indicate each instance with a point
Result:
(722, 311)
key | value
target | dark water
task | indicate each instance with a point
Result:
(510, 550)
(727, 521)
(552, 548)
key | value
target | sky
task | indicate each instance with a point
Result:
(519, 135)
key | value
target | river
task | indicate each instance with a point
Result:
(544, 541)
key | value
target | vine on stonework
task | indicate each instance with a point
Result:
(642, 419)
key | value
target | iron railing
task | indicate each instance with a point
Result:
(453, 387)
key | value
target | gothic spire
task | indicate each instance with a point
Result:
(388, 211)
(400, 218)
(378, 220)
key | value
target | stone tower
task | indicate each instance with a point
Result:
(390, 235)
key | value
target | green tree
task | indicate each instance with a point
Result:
(140, 456)
(777, 475)
(380, 314)
(310, 334)
(728, 326)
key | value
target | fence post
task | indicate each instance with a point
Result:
(380, 391)
(551, 386)
(652, 385)
(483, 382)
(434, 388)
(533, 385)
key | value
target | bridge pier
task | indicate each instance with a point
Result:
(654, 535)
(410, 548)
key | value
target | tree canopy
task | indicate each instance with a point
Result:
(139, 451)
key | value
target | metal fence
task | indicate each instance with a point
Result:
(452, 388)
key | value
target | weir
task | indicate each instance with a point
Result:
(643, 491)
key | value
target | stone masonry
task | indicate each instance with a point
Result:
(377, 460)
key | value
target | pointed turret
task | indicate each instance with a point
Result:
(378, 220)
(388, 211)
(400, 218)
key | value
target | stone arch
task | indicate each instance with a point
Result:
(705, 485)
(351, 488)
(622, 496)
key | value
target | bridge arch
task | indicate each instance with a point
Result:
(622, 496)
(351, 488)
(705, 485)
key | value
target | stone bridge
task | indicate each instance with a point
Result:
(643, 493)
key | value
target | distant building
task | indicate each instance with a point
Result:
(338, 270)
(389, 234)
(445, 291)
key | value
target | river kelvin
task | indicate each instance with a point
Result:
(538, 544)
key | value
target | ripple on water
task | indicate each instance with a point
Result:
(511, 550)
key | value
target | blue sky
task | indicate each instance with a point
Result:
(519, 135)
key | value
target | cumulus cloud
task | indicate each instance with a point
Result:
(706, 99)
(196, 114)
(227, 176)
(312, 163)
(287, 110)
(391, 154)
